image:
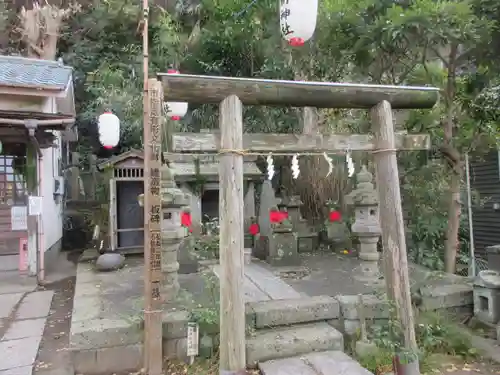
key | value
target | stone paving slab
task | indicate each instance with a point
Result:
(35, 305)
(18, 353)
(21, 329)
(25, 370)
(335, 363)
(292, 341)
(289, 366)
(269, 283)
(320, 363)
(8, 302)
(292, 311)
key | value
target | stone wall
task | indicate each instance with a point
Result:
(340, 312)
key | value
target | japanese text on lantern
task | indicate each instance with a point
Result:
(285, 13)
(154, 182)
(154, 214)
(155, 243)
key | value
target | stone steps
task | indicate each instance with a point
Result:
(284, 312)
(321, 363)
(296, 340)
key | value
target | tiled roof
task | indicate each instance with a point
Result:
(21, 71)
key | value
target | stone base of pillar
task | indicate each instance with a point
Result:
(169, 288)
(171, 240)
(369, 272)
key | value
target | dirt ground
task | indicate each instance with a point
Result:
(53, 355)
(456, 366)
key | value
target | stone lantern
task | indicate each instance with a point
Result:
(366, 225)
(172, 202)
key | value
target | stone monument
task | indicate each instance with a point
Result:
(267, 201)
(486, 291)
(307, 239)
(366, 226)
(336, 231)
(283, 245)
(173, 200)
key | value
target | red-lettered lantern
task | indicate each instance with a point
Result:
(109, 130)
(176, 110)
(298, 20)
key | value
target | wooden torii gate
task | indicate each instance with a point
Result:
(232, 144)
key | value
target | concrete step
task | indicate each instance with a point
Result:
(292, 341)
(267, 314)
(320, 363)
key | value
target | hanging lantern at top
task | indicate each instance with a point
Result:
(175, 110)
(109, 129)
(298, 20)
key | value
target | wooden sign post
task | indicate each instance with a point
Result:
(152, 120)
(152, 234)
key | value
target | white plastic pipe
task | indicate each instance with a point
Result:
(472, 265)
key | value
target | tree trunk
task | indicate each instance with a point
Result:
(454, 211)
(454, 160)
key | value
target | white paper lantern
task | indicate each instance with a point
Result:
(109, 129)
(175, 110)
(298, 20)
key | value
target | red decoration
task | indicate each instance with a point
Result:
(277, 217)
(186, 220)
(296, 42)
(175, 118)
(274, 216)
(335, 216)
(254, 229)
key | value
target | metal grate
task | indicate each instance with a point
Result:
(129, 173)
(480, 264)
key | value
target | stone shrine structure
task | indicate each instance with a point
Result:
(198, 176)
(486, 290)
(283, 245)
(307, 239)
(366, 226)
(172, 235)
(337, 234)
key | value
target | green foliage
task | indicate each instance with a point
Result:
(207, 247)
(208, 315)
(436, 334)
(103, 43)
(420, 42)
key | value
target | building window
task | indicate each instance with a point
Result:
(12, 183)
